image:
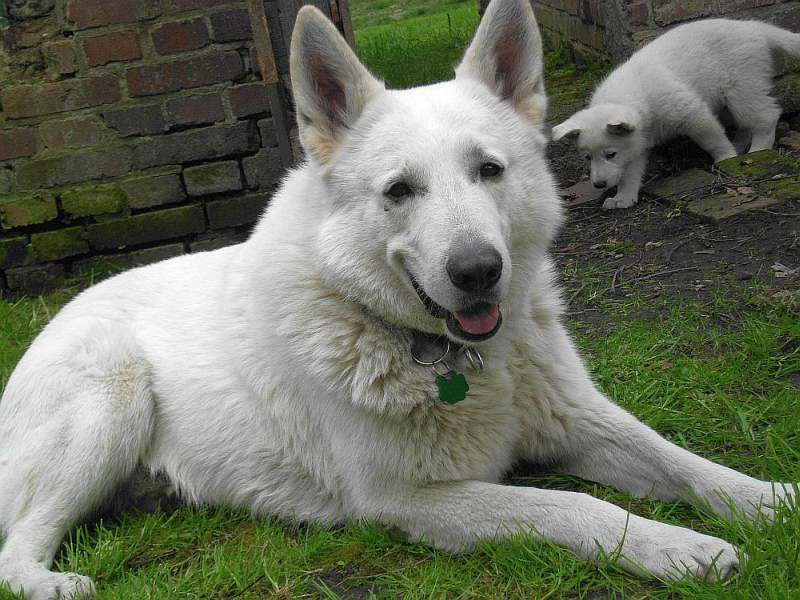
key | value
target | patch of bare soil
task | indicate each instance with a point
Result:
(659, 250)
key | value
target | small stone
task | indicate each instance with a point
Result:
(678, 187)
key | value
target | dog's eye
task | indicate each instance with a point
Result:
(399, 190)
(490, 169)
(610, 155)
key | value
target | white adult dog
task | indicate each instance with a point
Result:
(281, 374)
(676, 85)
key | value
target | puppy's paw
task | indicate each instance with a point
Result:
(37, 583)
(619, 201)
(671, 553)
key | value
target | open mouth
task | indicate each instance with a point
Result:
(477, 323)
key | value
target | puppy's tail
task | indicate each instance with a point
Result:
(782, 39)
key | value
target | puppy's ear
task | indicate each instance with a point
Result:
(569, 127)
(506, 55)
(620, 128)
(331, 87)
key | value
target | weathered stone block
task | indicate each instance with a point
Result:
(180, 36)
(249, 99)
(207, 143)
(111, 47)
(6, 180)
(35, 280)
(33, 100)
(137, 120)
(96, 13)
(231, 25)
(759, 165)
(90, 200)
(233, 212)
(147, 228)
(74, 133)
(678, 187)
(263, 171)
(785, 188)
(196, 110)
(74, 168)
(109, 264)
(19, 211)
(724, 206)
(209, 69)
(269, 135)
(213, 178)
(14, 252)
(58, 244)
(17, 143)
(680, 10)
(60, 57)
(217, 241)
(154, 190)
(194, 4)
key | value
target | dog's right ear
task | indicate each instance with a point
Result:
(506, 55)
(330, 85)
(569, 127)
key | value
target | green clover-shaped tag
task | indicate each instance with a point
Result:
(453, 387)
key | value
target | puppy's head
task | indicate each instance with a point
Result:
(441, 206)
(610, 138)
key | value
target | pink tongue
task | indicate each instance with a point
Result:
(480, 323)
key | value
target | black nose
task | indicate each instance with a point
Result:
(475, 268)
(600, 184)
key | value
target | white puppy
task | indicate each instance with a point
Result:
(676, 85)
(283, 374)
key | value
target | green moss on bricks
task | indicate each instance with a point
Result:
(55, 245)
(86, 201)
(759, 165)
(19, 211)
(147, 227)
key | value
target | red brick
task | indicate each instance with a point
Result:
(33, 100)
(196, 110)
(249, 99)
(96, 13)
(667, 12)
(60, 57)
(180, 36)
(197, 72)
(231, 25)
(16, 143)
(111, 47)
(639, 12)
(137, 120)
(71, 134)
(193, 4)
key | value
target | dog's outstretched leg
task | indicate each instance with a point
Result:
(74, 421)
(601, 442)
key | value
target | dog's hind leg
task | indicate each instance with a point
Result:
(756, 112)
(74, 422)
(705, 129)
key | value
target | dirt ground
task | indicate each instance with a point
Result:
(657, 249)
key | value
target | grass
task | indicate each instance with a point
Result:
(717, 385)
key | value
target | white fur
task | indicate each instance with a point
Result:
(276, 375)
(676, 85)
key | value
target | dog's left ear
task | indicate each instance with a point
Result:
(620, 128)
(506, 55)
(330, 85)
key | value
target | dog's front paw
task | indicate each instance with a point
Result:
(753, 499)
(619, 201)
(35, 582)
(670, 553)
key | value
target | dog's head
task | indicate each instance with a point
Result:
(609, 136)
(441, 206)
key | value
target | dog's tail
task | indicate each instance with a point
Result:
(782, 39)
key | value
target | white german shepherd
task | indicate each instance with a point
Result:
(283, 374)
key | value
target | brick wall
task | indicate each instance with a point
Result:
(616, 28)
(130, 131)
